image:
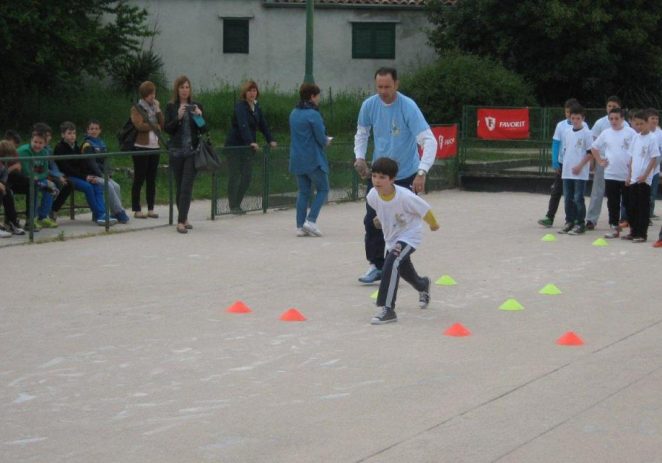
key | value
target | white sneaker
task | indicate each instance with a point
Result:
(301, 232)
(5, 234)
(311, 228)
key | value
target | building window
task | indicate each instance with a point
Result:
(373, 40)
(235, 35)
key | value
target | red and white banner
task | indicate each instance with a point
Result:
(446, 136)
(503, 124)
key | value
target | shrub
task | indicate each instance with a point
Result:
(442, 88)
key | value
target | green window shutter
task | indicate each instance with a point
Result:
(373, 40)
(235, 36)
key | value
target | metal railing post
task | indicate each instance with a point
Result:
(105, 195)
(267, 174)
(171, 214)
(32, 202)
(214, 192)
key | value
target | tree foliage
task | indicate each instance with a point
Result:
(579, 48)
(45, 46)
(442, 88)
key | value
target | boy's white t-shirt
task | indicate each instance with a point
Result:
(614, 145)
(643, 149)
(560, 129)
(575, 145)
(401, 217)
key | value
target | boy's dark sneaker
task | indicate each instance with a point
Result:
(577, 230)
(628, 237)
(639, 239)
(424, 296)
(385, 315)
(590, 225)
(546, 222)
(566, 228)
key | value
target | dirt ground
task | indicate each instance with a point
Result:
(119, 348)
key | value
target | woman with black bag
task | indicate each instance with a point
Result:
(184, 123)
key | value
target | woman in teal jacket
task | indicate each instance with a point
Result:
(307, 159)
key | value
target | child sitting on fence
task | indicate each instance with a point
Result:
(38, 171)
(93, 144)
(81, 173)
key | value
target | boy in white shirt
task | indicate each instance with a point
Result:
(654, 123)
(400, 214)
(644, 153)
(598, 188)
(611, 152)
(576, 156)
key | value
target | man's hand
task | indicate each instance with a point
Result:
(362, 168)
(419, 184)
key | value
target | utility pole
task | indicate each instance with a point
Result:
(308, 78)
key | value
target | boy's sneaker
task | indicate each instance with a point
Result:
(546, 222)
(4, 233)
(14, 229)
(373, 274)
(311, 228)
(122, 217)
(424, 296)
(101, 221)
(658, 244)
(385, 315)
(566, 228)
(577, 230)
(590, 225)
(46, 223)
(639, 239)
(301, 232)
(614, 232)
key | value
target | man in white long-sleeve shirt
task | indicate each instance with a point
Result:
(398, 128)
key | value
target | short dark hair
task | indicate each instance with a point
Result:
(569, 103)
(577, 109)
(615, 99)
(385, 71)
(67, 125)
(652, 112)
(307, 91)
(93, 121)
(618, 111)
(386, 166)
(42, 127)
(12, 135)
(640, 114)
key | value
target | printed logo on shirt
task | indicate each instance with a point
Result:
(626, 145)
(395, 130)
(400, 220)
(490, 123)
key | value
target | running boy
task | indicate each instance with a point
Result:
(401, 214)
(611, 153)
(576, 156)
(644, 152)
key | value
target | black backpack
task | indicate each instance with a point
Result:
(127, 136)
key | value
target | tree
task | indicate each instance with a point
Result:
(46, 46)
(566, 48)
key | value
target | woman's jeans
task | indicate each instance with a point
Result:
(145, 168)
(183, 169)
(320, 180)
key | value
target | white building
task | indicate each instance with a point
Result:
(227, 41)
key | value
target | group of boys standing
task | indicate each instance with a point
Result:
(55, 180)
(627, 167)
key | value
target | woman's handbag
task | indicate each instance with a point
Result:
(205, 158)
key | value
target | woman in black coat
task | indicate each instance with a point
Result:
(184, 123)
(246, 120)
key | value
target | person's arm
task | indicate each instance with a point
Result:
(586, 159)
(651, 165)
(264, 127)
(431, 220)
(556, 147)
(317, 125)
(427, 141)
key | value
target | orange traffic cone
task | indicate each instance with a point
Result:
(457, 330)
(238, 307)
(570, 339)
(292, 315)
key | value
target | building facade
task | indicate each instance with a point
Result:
(218, 42)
